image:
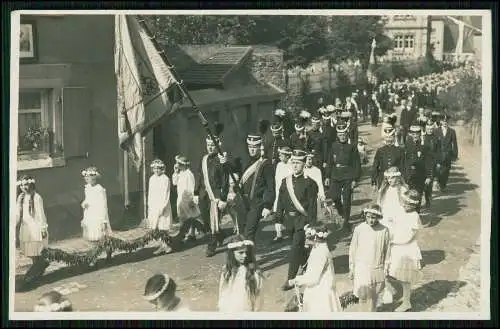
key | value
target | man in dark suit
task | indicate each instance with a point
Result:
(279, 140)
(343, 171)
(316, 139)
(386, 156)
(448, 151)
(418, 168)
(257, 183)
(406, 119)
(297, 205)
(430, 141)
(329, 134)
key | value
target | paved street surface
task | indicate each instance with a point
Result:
(453, 226)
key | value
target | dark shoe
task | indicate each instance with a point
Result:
(210, 253)
(286, 286)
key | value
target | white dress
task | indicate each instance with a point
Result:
(159, 208)
(32, 225)
(320, 295)
(367, 257)
(391, 206)
(234, 296)
(96, 214)
(186, 207)
(405, 252)
(315, 174)
(282, 170)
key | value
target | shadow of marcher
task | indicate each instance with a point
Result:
(425, 296)
(273, 260)
(432, 257)
(341, 264)
(454, 188)
(443, 207)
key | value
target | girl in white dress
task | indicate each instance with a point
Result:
(389, 196)
(369, 258)
(314, 173)
(320, 294)
(33, 232)
(159, 207)
(187, 209)
(405, 254)
(240, 286)
(160, 291)
(95, 222)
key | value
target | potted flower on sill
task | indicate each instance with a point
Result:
(32, 138)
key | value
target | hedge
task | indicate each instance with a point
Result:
(463, 101)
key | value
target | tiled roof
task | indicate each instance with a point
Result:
(211, 71)
(178, 58)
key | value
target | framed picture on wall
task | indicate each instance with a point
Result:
(27, 41)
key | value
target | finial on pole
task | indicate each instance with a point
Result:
(374, 43)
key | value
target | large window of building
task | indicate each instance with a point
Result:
(404, 42)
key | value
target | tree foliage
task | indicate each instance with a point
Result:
(303, 39)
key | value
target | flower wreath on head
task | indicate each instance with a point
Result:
(57, 307)
(90, 172)
(239, 244)
(312, 233)
(25, 181)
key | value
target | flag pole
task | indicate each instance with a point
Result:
(144, 184)
(203, 120)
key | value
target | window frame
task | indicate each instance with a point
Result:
(50, 105)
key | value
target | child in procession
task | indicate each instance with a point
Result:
(160, 291)
(320, 294)
(159, 207)
(95, 223)
(389, 196)
(30, 213)
(369, 258)
(405, 254)
(187, 209)
(240, 286)
(53, 301)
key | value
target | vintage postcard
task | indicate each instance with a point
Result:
(250, 165)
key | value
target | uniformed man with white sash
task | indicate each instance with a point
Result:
(257, 183)
(297, 206)
(212, 190)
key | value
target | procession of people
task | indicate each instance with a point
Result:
(292, 181)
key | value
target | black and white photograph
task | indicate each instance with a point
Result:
(250, 164)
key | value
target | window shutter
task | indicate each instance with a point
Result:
(76, 121)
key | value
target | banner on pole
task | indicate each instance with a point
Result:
(146, 87)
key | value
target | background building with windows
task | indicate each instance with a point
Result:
(448, 40)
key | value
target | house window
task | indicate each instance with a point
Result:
(33, 121)
(404, 42)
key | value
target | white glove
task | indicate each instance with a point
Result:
(196, 199)
(265, 212)
(223, 158)
(221, 204)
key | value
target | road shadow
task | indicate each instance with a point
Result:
(360, 202)
(273, 260)
(341, 264)
(425, 296)
(432, 257)
(454, 188)
(454, 173)
(443, 207)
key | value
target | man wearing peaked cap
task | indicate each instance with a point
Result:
(448, 151)
(352, 128)
(282, 170)
(297, 205)
(257, 183)
(343, 171)
(316, 138)
(429, 140)
(277, 130)
(212, 191)
(386, 156)
(300, 138)
(418, 169)
(329, 135)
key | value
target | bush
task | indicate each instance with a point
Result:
(464, 100)
(406, 69)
